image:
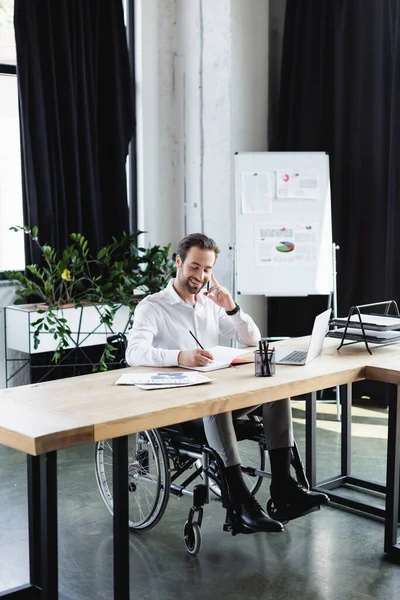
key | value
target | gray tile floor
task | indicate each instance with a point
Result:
(328, 555)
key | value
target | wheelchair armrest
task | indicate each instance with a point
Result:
(189, 429)
(119, 338)
(248, 430)
(245, 430)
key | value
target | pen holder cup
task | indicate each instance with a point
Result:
(264, 365)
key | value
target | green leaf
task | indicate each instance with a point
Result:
(37, 322)
(112, 276)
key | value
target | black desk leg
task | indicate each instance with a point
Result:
(311, 438)
(346, 404)
(32, 590)
(43, 539)
(121, 518)
(392, 548)
(34, 519)
(49, 553)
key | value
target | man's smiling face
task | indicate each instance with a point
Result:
(193, 274)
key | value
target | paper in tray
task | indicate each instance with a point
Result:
(372, 336)
(372, 322)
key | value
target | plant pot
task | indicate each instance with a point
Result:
(84, 322)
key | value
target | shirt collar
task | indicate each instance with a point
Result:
(173, 297)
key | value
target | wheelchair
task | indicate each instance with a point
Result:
(160, 458)
(168, 460)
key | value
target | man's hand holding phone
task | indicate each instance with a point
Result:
(220, 295)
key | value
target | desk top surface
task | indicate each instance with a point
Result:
(52, 415)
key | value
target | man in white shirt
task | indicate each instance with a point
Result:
(161, 337)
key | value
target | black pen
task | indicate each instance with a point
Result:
(196, 340)
(260, 349)
(267, 365)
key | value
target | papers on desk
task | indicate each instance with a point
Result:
(373, 322)
(161, 380)
(223, 358)
(373, 336)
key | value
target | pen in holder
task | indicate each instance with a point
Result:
(264, 360)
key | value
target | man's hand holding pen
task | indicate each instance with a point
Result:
(195, 358)
(220, 295)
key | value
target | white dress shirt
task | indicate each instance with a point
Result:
(163, 320)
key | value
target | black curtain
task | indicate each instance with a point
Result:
(340, 93)
(76, 115)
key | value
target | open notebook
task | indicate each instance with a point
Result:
(223, 358)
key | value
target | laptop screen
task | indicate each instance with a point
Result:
(318, 335)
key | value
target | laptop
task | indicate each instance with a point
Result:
(303, 357)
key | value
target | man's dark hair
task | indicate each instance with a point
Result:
(196, 240)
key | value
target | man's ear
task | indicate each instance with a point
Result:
(178, 261)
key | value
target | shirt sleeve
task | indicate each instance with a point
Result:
(140, 350)
(240, 327)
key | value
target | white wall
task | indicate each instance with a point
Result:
(217, 116)
(249, 93)
(204, 84)
(159, 210)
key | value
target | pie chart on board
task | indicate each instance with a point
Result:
(285, 247)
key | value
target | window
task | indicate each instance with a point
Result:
(11, 244)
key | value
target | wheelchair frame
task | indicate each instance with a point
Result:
(161, 457)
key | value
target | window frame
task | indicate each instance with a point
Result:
(7, 69)
(129, 7)
(132, 179)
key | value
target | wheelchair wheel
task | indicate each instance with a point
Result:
(149, 477)
(192, 537)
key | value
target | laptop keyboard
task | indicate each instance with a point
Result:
(295, 357)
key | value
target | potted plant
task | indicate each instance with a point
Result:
(119, 275)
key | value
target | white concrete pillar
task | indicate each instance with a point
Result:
(205, 97)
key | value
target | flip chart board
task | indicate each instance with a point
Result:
(283, 224)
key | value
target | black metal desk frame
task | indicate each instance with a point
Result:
(391, 512)
(42, 503)
(43, 536)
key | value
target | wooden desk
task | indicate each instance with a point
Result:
(41, 418)
(93, 401)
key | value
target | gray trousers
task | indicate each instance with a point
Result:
(278, 429)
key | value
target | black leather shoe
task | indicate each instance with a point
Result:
(292, 500)
(251, 518)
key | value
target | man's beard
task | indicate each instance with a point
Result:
(190, 288)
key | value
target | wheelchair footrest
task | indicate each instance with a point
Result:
(295, 513)
(229, 524)
(234, 530)
(230, 528)
(234, 527)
